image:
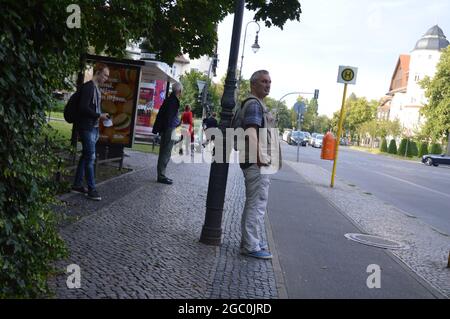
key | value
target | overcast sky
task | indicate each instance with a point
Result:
(305, 55)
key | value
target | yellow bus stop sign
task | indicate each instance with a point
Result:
(347, 74)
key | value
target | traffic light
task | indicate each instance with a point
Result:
(316, 94)
(200, 98)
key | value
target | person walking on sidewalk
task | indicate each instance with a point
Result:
(258, 122)
(166, 121)
(210, 122)
(187, 120)
(86, 126)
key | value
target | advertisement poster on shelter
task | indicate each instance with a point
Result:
(151, 97)
(119, 97)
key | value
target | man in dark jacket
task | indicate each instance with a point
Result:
(210, 122)
(87, 127)
(166, 121)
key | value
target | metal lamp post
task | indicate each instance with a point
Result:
(255, 47)
(212, 228)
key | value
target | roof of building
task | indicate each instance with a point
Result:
(433, 39)
(399, 80)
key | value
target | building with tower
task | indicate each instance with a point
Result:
(405, 97)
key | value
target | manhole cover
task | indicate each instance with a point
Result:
(376, 241)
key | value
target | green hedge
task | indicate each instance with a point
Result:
(384, 147)
(423, 149)
(408, 147)
(436, 149)
(402, 148)
(412, 149)
(392, 147)
(29, 241)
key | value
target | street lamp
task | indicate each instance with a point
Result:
(255, 47)
(212, 228)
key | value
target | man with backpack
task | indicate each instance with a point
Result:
(259, 126)
(86, 123)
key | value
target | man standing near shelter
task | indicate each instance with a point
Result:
(166, 121)
(260, 127)
(86, 125)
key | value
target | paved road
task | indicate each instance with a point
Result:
(419, 190)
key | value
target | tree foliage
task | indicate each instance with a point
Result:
(392, 147)
(191, 94)
(436, 148)
(402, 148)
(412, 149)
(384, 147)
(357, 111)
(423, 150)
(189, 26)
(284, 117)
(437, 90)
(310, 116)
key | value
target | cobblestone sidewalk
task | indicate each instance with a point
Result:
(142, 239)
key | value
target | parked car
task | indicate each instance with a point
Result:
(307, 138)
(298, 137)
(436, 159)
(287, 135)
(343, 141)
(317, 142)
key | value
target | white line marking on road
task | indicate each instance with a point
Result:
(419, 186)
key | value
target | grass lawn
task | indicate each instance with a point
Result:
(378, 152)
(64, 132)
(63, 129)
(58, 115)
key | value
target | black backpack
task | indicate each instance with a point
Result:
(71, 109)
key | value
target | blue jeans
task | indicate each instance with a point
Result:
(86, 164)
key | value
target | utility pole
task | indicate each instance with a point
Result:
(212, 228)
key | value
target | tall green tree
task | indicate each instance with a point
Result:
(310, 116)
(357, 111)
(284, 117)
(191, 94)
(437, 110)
(322, 124)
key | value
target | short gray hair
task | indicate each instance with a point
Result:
(255, 76)
(177, 87)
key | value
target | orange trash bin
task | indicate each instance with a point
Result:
(328, 147)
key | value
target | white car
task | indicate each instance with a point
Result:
(317, 141)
